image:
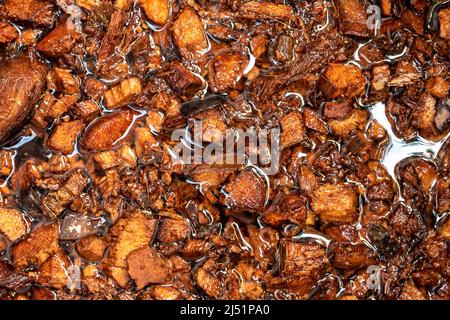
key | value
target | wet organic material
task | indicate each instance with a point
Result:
(91, 93)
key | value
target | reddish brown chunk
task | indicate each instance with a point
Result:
(54, 203)
(210, 176)
(92, 247)
(411, 292)
(86, 110)
(342, 80)
(353, 18)
(130, 233)
(60, 40)
(39, 12)
(7, 32)
(75, 226)
(292, 129)
(424, 114)
(63, 137)
(196, 248)
(287, 208)
(146, 266)
(405, 74)
(93, 88)
(105, 132)
(335, 203)
(207, 281)
(247, 192)
(171, 230)
(36, 248)
(63, 81)
(307, 181)
(302, 258)
(51, 109)
(213, 125)
(225, 70)
(11, 279)
(333, 110)
(22, 81)
(2, 245)
(55, 272)
(444, 229)
(264, 242)
(413, 21)
(182, 80)
(313, 121)
(350, 256)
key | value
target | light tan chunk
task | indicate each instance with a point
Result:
(266, 10)
(107, 159)
(156, 10)
(344, 127)
(122, 5)
(12, 224)
(335, 202)
(380, 77)
(123, 93)
(189, 34)
(438, 87)
(386, 7)
(6, 162)
(89, 4)
(444, 22)
(145, 142)
(154, 121)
